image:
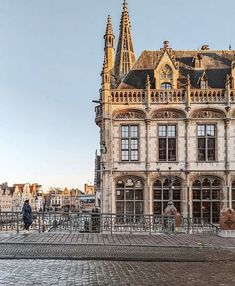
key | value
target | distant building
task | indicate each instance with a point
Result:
(89, 189)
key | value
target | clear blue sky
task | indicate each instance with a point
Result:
(51, 54)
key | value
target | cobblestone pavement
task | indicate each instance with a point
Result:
(119, 239)
(118, 253)
(114, 273)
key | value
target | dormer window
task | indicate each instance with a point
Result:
(166, 85)
(203, 81)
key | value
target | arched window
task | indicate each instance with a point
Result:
(233, 195)
(166, 85)
(161, 194)
(206, 199)
(129, 197)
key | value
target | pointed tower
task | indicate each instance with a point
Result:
(109, 45)
(125, 56)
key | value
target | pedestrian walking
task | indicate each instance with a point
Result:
(27, 215)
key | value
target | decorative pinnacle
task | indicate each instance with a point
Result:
(125, 16)
(188, 79)
(109, 29)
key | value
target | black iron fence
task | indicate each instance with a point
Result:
(105, 223)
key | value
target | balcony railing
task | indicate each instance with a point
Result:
(168, 96)
(208, 96)
(104, 223)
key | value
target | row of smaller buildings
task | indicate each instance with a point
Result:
(56, 199)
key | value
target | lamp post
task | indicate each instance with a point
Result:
(170, 178)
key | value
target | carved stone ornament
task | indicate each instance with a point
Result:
(130, 115)
(207, 114)
(168, 114)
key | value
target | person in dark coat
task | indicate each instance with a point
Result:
(27, 215)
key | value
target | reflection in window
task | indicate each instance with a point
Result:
(166, 85)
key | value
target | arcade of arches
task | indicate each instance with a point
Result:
(206, 194)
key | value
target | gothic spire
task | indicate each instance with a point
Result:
(125, 56)
(109, 44)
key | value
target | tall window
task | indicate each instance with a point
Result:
(206, 142)
(161, 195)
(233, 195)
(167, 142)
(130, 143)
(129, 197)
(206, 199)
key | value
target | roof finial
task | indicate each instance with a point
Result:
(109, 29)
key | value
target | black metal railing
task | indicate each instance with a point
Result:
(105, 223)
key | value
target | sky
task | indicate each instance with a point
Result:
(51, 55)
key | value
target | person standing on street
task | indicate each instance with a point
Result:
(27, 215)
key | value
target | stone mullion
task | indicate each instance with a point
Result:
(148, 195)
(227, 189)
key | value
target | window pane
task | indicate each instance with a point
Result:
(162, 130)
(210, 130)
(120, 207)
(125, 155)
(120, 195)
(206, 194)
(139, 207)
(171, 130)
(211, 149)
(129, 207)
(201, 130)
(233, 194)
(201, 149)
(134, 144)
(157, 208)
(157, 195)
(172, 149)
(162, 149)
(215, 194)
(134, 131)
(196, 194)
(125, 131)
(139, 195)
(165, 194)
(129, 194)
(196, 209)
(125, 144)
(134, 155)
(176, 195)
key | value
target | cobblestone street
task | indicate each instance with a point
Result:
(122, 259)
(68, 272)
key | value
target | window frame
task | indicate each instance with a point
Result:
(129, 148)
(206, 137)
(167, 137)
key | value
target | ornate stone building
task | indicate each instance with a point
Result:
(167, 128)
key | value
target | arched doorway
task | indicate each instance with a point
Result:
(207, 199)
(161, 194)
(129, 196)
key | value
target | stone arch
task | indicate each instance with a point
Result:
(168, 114)
(129, 114)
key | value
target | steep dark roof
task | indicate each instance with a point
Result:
(217, 64)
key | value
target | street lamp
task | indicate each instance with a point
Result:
(170, 179)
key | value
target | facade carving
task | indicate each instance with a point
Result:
(129, 115)
(207, 114)
(168, 114)
(167, 156)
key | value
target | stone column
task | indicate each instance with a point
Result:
(227, 187)
(148, 195)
